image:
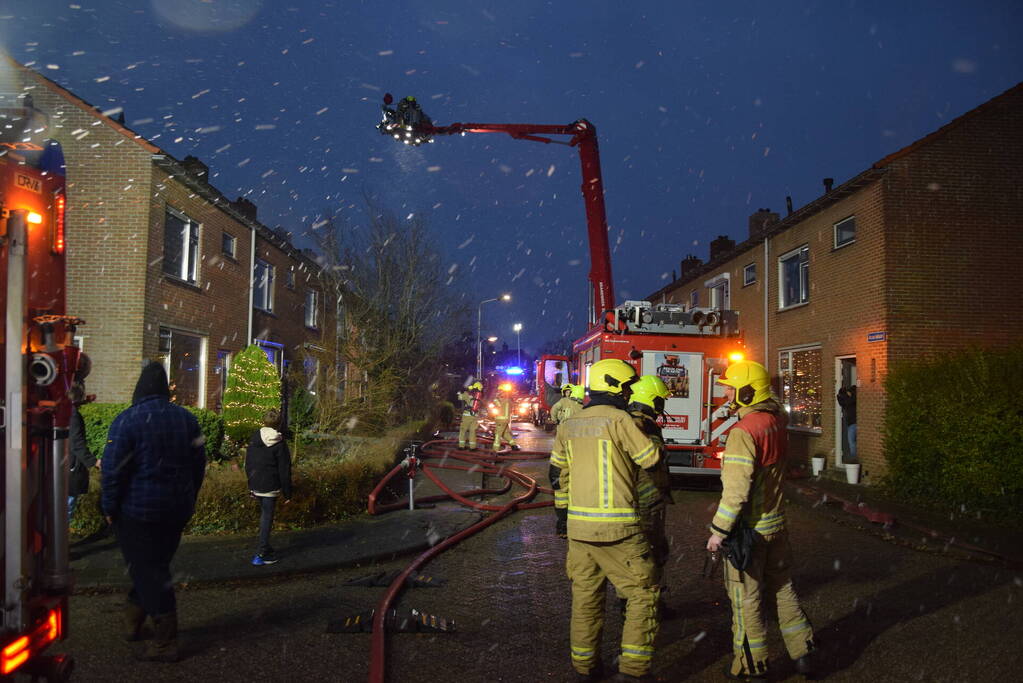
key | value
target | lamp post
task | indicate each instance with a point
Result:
(479, 328)
(518, 347)
(479, 354)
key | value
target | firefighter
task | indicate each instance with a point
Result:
(568, 405)
(470, 400)
(502, 420)
(752, 469)
(647, 403)
(597, 456)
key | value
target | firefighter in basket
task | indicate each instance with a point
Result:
(570, 403)
(749, 526)
(597, 457)
(646, 405)
(470, 397)
(502, 419)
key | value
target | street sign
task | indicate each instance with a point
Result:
(877, 336)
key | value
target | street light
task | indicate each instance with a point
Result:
(479, 327)
(479, 354)
(518, 347)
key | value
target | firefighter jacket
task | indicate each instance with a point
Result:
(470, 403)
(599, 452)
(564, 409)
(752, 469)
(655, 484)
(504, 409)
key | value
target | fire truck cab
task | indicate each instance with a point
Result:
(550, 374)
(37, 364)
(688, 350)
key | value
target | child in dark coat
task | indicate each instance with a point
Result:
(268, 466)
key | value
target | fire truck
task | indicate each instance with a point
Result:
(39, 361)
(688, 349)
(550, 373)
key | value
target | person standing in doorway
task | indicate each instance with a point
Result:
(847, 400)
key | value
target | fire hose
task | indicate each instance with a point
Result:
(486, 464)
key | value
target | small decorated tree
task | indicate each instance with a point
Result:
(253, 388)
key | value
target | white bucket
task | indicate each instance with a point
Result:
(817, 463)
(852, 473)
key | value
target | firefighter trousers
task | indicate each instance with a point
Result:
(767, 576)
(467, 431)
(502, 432)
(629, 565)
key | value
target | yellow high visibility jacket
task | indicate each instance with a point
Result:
(564, 409)
(752, 470)
(504, 409)
(600, 452)
(654, 486)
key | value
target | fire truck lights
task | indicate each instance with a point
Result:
(58, 227)
(34, 218)
(20, 650)
(735, 356)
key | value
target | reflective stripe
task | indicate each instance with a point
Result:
(582, 654)
(603, 516)
(726, 512)
(605, 474)
(800, 626)
(558, 460)
(644, 455)
(637, 651)
(738, 459)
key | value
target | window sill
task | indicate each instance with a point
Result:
(809, 431)
(843, 246)
(264, 311)
(312, 329)
(748, 284)
(178, 282)
(230, 258)
(793, 306)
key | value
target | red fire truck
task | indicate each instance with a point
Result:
(687, 349)
(550, 373)
(39, 361)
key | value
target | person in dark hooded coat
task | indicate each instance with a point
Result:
(268, 467)
(152, 469)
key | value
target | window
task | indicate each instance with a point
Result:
(274, 353)
(749, 275)
(794, 277)
(289, 278)
(180, 246)
(228, 244)
(221, 368)
(717, 288)
(845, 231)
(312, 308)
(800, 373)
(184, 357)
(694, 298)
(263, 286)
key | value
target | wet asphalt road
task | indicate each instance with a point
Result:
(883, 612)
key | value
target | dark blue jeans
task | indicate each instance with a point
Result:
(267, 504)
(148, 548)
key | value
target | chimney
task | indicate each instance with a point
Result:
(722, 245)
(788, 205)
(196, 168)
(761, 221)
(688, 266)
(828, 182)
(120, 117)
(245, 208)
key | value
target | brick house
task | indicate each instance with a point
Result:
(163, 266)
(916, 256)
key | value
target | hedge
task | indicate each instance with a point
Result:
(99, 416)
(953, 432)
(328, 487)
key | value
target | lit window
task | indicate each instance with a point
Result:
(263, 286)
(800, 374)
(180, 246)
(794, 277)
(749, 275)
(717, 289)
(312, 308)
(274, 353)
(845, 231)
(228, 244)
(184, 357)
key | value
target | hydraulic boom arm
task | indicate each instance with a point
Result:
(417, 129)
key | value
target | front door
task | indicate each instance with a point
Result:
(845, 417)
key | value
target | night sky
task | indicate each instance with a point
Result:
(705, 112)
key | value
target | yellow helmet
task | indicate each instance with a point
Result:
(611, 376)
(578, 392)
(648, 389)
(751, 381)
(478, 386)
(566, 388)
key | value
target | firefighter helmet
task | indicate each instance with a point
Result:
(578, 392)
(650, 390)
(478, 386)
(751, 381)
(566, 389)
(611, 376)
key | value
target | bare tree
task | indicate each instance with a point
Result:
(397, 309)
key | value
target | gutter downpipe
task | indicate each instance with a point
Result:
(252, 271)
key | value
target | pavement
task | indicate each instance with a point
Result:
(364, 540)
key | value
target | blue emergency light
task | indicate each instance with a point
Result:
(513, 371)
